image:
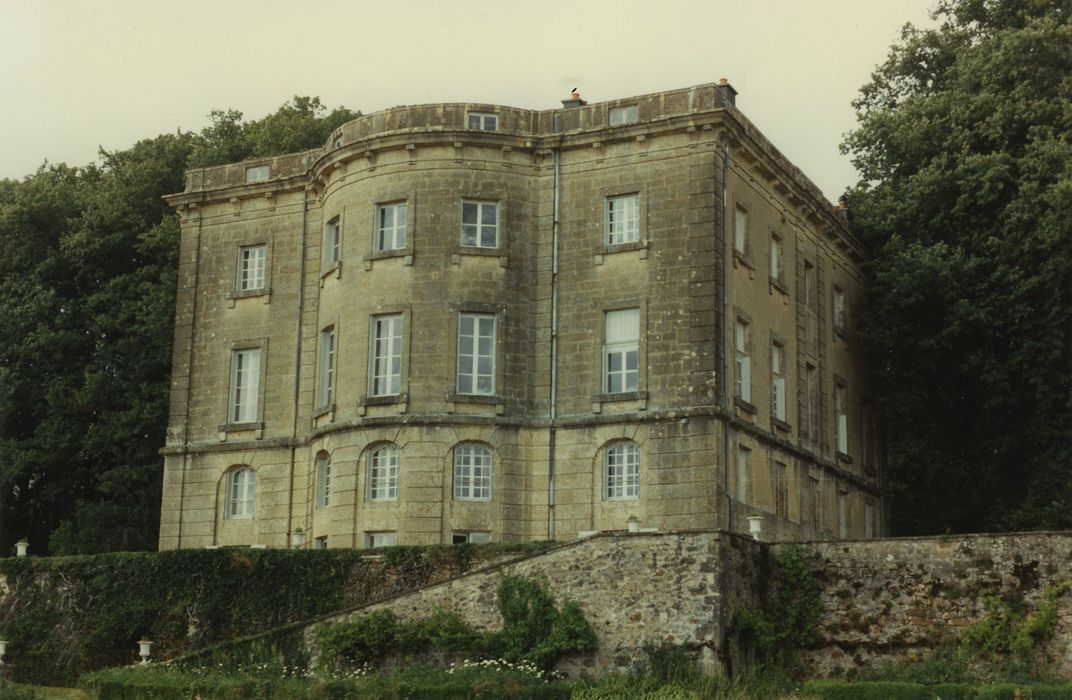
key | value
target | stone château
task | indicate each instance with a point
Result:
(470, 322)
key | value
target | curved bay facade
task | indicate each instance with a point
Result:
(471, 322)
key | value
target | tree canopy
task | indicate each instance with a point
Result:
(87, 301)
(965, 150)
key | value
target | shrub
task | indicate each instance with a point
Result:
(867, 690)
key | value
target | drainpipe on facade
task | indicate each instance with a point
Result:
(553, 413)
(297, 361)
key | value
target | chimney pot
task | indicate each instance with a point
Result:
(729, 95)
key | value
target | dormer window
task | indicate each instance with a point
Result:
(623, 115)
(484, 121)
(258, 173)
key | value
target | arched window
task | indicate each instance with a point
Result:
(621, 471)
(472, 472)
(323, 480)
(383, 474)
(241, 492)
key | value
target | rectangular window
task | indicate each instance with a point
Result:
(621, 220)
(839, 309)
(245, 385)
(476, 354)
(484, 121)
(776, 259)
(743, 454)
(742, 345)
(780, 474)
(374, 540)
(811, 403)
(385, 356)
(321, 542)
(323, 482)
(258, 173)
(480, 224)
(472, 537)
(740, 230)
(629, 114)
(332, 242)
(390, 226)
(325, 381)
(241, 493)
(842, 425)
(383, 474)
(251, 264)
(778, 407)
(621, 351)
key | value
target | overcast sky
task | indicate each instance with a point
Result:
(78, 75)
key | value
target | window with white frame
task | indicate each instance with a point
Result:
(476, 354)
(841, 400)
(374, 540)
(390, 226)
(332, 242)
(472, 473)
(740, 230)
(743, 360)
(621, 471)
(245, 385)
(621, 351)
(383, 474)
(385, 356)
(251, 265)
(323, 480)
(621, 219)
(470, 537)
(743, 472)
(627, 114)
(325, 380)
(484, 121)
(839, 308)
(780, 479)
(480, 224)
(258, 173)
(778, 393)
(776, 259)
(241, 493)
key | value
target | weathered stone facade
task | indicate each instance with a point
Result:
(640, 290)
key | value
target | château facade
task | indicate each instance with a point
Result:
(469, 322)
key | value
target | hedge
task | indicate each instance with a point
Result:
(890, 690)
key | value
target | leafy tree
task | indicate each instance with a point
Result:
(965, 150)
(87, 300)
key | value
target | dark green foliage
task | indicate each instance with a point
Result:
(1012, 631)
(870, 690)
(534, 632)
(789, 620)
(965, 152)
(87, 302)
(669, 664)
(70, 615)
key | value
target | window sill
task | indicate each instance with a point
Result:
(400, 400)
(257, 427)
(639, 396)
(740, 258)
(479, 252)
(842, 332)
(334, 269)
(405, 253)
(843, 457)
(472, 500)
(744, 405)
(778, 285)
(780, 424)
(325, 410)
(476, 400)
(249, 294)
(611, 249)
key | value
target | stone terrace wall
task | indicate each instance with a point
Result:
(895, 599)
(633, 589)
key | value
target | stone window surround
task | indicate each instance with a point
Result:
(366, 459)
(741, 257)
(266, 290)
(334, 267)
(604, 452)
(256, 426)
(483, 118)
(472, 485)
(453, 398)
(401, 399)
(227, 481)
(743, 317)
(841, 384)
(327, 409)
(393, 196)
(779, 282)
(478, 193)
(322, 469)
(779, 340)
(602, 248)
(640, 395)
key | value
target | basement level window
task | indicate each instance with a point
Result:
(471, 537)
(258, 173)
(484, 121)
(623, 115)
